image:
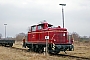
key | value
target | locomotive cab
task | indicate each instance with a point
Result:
(41, 26)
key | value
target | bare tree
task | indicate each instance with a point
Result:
(75, 36)
(20, 36)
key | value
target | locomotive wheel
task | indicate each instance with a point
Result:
(36, 50)
(56, 50)
(71, 49)
(40, 50)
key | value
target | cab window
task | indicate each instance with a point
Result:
(33, 28)
(39, 27)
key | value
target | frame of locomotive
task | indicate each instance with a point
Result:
(58, 39)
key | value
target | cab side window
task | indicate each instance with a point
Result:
(39, 27)
(33, 28)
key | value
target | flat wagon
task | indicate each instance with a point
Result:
(6, 42)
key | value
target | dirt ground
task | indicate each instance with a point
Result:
(81, 52)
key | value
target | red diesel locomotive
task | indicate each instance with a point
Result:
(57, 38)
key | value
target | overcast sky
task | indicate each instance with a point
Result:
(21, 14)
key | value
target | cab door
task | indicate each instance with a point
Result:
(33, 33)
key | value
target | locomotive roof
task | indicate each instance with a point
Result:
(49, 25)
(44, 23)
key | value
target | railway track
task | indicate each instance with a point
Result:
(70, 56)
(59, 55)
(21, 49)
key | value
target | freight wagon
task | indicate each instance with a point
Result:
(5, 42)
